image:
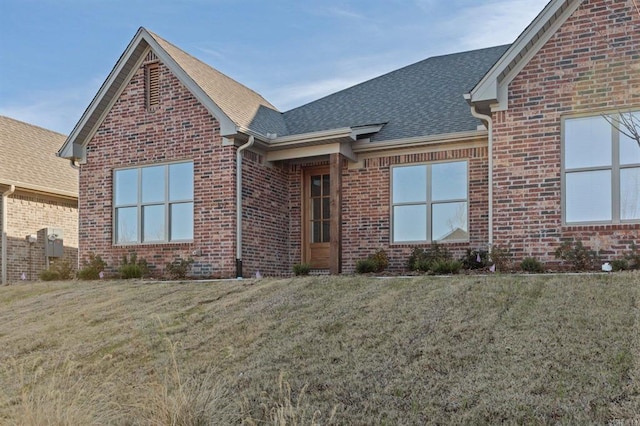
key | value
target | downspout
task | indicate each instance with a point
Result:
(239, 206)
(5, 195)
(487, 119)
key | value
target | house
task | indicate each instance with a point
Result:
(39, 208)
(506, 146)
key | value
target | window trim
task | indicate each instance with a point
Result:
(139, 205)
(615, 168)
(429, 203)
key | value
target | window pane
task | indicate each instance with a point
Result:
(153, 223)
(316, 232)
(326, 185)
(410, 184)
(588, 196)
(410, 223)
(630, 193)
(587, 142)
(153, 184)
(125, 186)
(326, 207)
(316, 189)
(182, 221)
(449, 221)
(629, 148)
(126, 225)
(316, 208)
(449, 181)
(181, 181)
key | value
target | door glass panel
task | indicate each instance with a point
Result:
(316, 208)
(316, 232)
(325, 208)
(325, 232)
(316, 188)
(326, 185)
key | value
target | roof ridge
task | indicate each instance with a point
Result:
(212, 68)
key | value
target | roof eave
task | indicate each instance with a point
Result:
(129, 62)
(492, 88)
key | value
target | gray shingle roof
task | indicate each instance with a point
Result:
(422, 99)
(28, 159)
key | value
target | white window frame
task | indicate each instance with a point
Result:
(429, 203)
(615, 168)
(139, 205)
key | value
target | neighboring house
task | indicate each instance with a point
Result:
(503, 146)
(39, 208)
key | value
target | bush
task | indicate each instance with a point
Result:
(365, 266)
(301, 269)
(450, 266)
(376, 262)
(501, 258)
(179, 268)
(422, 259)
(580, 257)
(475, 259)
(60, 269)
(91, 269)
(531, 264)
(49, 275)
(620, 265)
(633, 256)
(133, 268)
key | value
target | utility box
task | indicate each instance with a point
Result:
(54, 245)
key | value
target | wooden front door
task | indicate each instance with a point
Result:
(317, 217)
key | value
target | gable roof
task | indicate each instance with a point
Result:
(28, 160)
(235, 106)
(491, 91)
(422, 99)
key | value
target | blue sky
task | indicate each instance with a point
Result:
(55, 54)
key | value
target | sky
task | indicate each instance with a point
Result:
(55, 54)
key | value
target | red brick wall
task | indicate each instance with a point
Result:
(181, 129)
(590, 65)
(366, 207)
(29, 213)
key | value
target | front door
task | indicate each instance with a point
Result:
(316, 217)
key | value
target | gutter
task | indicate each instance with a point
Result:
(488, 120)
(5, 195)
(239, 206)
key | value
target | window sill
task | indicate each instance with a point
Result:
(600, 226)
(155, 243)
(423, 243)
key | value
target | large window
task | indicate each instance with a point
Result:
(153, 204)
(429, 202)
(601, 172)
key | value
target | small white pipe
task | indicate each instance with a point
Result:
(239, 205)
(488, 120)
(5, 195)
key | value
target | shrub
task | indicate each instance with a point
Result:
(531, 264)
(49, 275)
(501, 258)
(633, 256)
(475, 259)
(179, 268)
(422, 259)
(580, 257)
(301, 269)
(365, 266)
(133, 268)
(61, 269)
(620, 265)
(449, 266)
(376, 262)
(91, 269)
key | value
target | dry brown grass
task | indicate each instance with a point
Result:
(322, 350)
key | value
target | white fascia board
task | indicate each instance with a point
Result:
(72, 147)
(446, 138)
(312, 151)
(492, 87)
(41, 189)
(311, 137)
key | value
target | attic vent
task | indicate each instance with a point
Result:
(151, 57)
(152, 85)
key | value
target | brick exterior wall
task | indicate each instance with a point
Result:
(29, 214)
(180, 129)
(366, 217)
(592, 64)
